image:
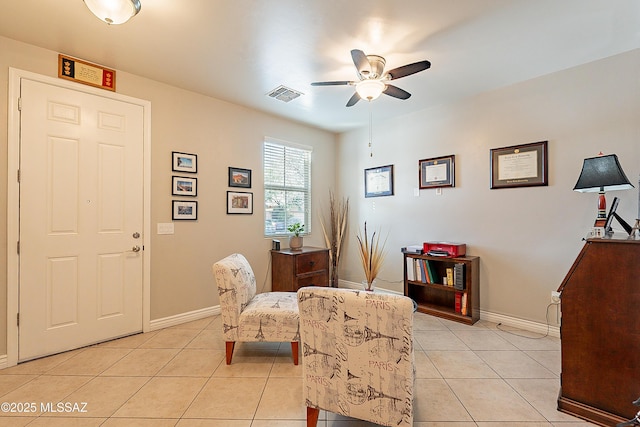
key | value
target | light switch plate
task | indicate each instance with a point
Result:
(165, 228)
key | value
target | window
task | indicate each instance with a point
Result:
(287, 187)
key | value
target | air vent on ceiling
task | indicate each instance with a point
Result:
(284, 94)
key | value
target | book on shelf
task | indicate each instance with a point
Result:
(458, 276)
(411, 269)
(449, 276)
(458, 302)
(423, 273)
(463, 308)
(433, 277)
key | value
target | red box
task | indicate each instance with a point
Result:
(448, 248)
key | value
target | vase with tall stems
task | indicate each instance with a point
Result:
(371, 255)
(334, 236)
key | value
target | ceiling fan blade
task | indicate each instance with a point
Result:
(361, 62)
(407, 70)
(336, 83)
(396, 92)
(353, 100)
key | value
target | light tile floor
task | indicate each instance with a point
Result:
(465, 376)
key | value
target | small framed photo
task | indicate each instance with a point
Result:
(184, 162)
(239, 177)
(239, 202)
(184, 186)
(519, 165)
(378, 181)
(437, 172)
(183, 210)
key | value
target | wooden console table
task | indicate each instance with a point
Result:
(600, 332)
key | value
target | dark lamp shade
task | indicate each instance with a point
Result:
(602, 173)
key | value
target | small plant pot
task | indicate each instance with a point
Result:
(295, 242)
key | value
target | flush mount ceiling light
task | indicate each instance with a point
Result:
(114, 11)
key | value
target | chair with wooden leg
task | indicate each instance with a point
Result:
(357, 355)
(250, 317)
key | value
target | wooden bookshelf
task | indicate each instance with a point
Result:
(438, 299)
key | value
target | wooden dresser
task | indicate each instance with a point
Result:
(294, 269)
(600, 332)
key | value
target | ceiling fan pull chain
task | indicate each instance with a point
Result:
(370, 130)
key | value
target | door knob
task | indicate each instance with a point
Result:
(136, 235)
(136, 248)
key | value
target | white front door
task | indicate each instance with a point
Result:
(81, 219)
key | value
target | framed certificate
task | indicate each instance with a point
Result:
(437, 172)
(378, 181)
(519, 165)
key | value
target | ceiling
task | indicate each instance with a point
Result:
(240, 50)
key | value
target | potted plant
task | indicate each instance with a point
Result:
(371, 255)
(295, 241)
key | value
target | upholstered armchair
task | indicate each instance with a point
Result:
(357, 355)
(247, 316)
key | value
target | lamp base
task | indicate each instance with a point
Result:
(636, 228)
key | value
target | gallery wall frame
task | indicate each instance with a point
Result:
(184, 162)
(239, 202)
(239, 177)
(437, 172)
(524, 165)
(184, 186)
(378, 181)
(184, 210)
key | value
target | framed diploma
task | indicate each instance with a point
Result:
(437, 172)
(519, 165)
(378, 181)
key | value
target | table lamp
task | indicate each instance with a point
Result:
(602, 173)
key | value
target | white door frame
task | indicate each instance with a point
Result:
(13, 198)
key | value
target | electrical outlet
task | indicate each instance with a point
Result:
(555, 297)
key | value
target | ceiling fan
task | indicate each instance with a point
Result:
(373, 78)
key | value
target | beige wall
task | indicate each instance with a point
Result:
(222, 135)
(527, 238)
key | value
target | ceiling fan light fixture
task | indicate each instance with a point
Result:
(114, 11)
(369, 89)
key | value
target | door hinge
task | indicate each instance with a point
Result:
(18, 247)
(18, 319)
(18, 176)
(19, 104)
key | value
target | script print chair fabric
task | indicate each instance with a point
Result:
(249, 317)
(357, 355)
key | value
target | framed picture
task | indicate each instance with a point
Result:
(183, 210)
(437, 172)
(519, 165)
(184, 186)
(184, 162)
(239, 177)
(239, 202)
(378, 181)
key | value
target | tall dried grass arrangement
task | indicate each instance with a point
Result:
(371, 255)
(334, 237)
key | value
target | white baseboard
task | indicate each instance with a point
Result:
(179, 319)
(526, 325)
(166, 322)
